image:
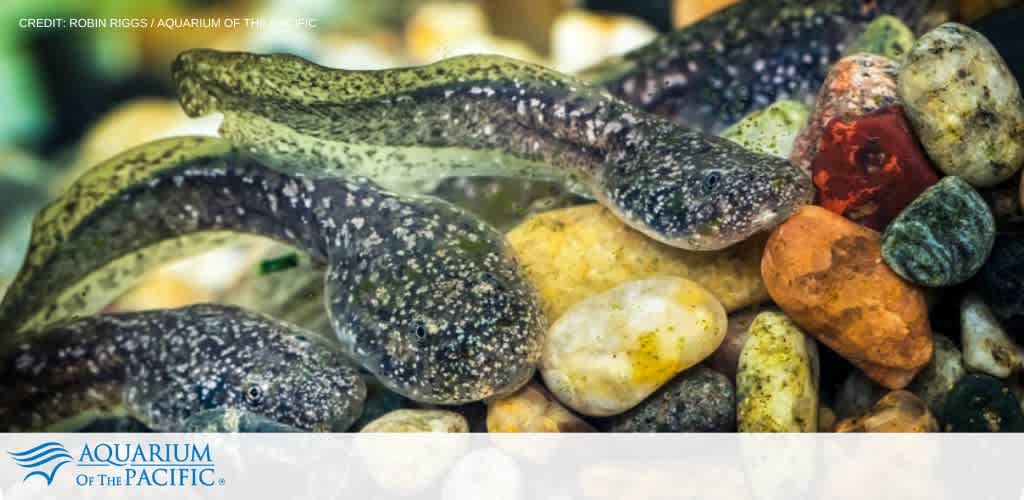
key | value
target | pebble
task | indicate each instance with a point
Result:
(987, 348)
(777, 380)
(939, 376)
(574, 253)
(870, 168)
(580, 38)
(885, 36)
(898, 411)
(529, 21)
(726, 358)
(610, 351)
(943, 238)
(532, 409)
(857, 395)
(771, 130)
(965, 105)
(827, 275)
(1001, 282)
(698, 400)
(826, 419)
(856, 85)
(379, 401)
(416, 420)
(687, 12)
(439, 30)
(981, 403)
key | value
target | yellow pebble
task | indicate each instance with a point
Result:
(577, 252)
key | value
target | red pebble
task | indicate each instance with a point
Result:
(870, 168)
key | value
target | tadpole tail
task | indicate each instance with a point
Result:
(158, 202)
(405, 128)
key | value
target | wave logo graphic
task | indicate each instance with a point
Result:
(46, 459)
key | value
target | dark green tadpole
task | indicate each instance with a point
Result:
(447, 315)
(164, 368)
(712, 73)
(488, 115)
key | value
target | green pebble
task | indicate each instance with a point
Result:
(981, 403)
(943, 237)
(771, 130)
(886, 36)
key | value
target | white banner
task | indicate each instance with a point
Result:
(499, 467)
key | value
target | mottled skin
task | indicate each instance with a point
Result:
(747, 56)
(490, 115)
(419, 292)
(163, 367)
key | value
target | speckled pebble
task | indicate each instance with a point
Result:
(943, 238)
(987, 348)
(898, 411)
(771, 130)
(856, 85)
(886, 36)
(965, 105)
(418, 421)
(940, 374)
(1001, 282)
(609, 352)
(777, 380)
(697, 400)
(981, 403)
(532, 409)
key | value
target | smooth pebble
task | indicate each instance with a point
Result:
(609, 352)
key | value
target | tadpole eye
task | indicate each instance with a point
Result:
(254, 395)
(419, 330)
(711, 182)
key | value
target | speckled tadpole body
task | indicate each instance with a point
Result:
(164, 367)
(742, 58)
(490, 115)
(419, 292)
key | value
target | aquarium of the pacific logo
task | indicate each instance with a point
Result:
(43, 461)
(122, 464)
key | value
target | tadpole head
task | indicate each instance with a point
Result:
(704, 193)
(233, 363)
(437, 307)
